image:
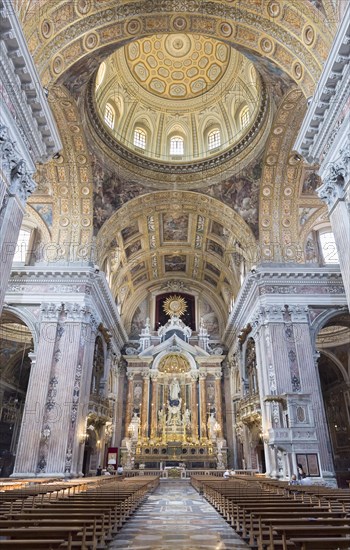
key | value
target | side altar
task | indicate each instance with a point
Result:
(174, 412)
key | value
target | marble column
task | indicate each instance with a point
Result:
(335, 192)
(194, 406)
(286, 369)
(56, 403)
(154, 406)
(218, 402)
(118, 425)
(129, 403)
(145, 402)
(203, 404)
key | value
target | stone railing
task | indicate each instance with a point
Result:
(249, 409)
(99, 407)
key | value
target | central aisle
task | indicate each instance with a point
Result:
(176, 516)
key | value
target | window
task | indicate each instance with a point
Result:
(140, 138)
(22, 246)
(109, 115)
(328, 247)
(245, 117)
(177, 145)
(214, 139)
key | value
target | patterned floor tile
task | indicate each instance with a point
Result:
(176, 516)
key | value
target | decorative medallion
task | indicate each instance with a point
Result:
(46, 28)
(175, 305)
(83, 6)
(309, 35)
(179, 24)
(274, 9)
(134, 26)
(91, 41)
(225, 29)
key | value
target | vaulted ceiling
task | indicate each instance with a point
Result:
(153, 222)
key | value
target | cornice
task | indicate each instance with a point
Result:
(24, 92)
(280, 284)
(329, 99)
(178, 168)
(78, 284)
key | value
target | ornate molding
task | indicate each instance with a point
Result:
(22, 93)
(336, 180)
(14, 166)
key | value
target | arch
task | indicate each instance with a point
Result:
(27, 318)
(250, 29)
(161, 355)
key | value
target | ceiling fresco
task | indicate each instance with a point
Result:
(151, 225)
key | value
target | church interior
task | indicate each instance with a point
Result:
(175, 239)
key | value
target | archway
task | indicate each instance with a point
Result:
(16, 343)
(333, 364)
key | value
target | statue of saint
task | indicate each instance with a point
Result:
(213, 427)
(187, 417)
(174, 389)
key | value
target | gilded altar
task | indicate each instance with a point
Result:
(174, 397)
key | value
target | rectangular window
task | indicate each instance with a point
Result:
(22, 246)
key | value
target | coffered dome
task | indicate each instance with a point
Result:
(178, 99)
(177, 66)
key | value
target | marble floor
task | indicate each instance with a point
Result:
(175, 516)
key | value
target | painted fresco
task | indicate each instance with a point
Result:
(213, 269)
(220, 231)
(133, 248)
(310, 183)
(138, 267)
(139, 320)
(142, 279)
(45, 211)
(241, 192)
(175, 263)
(210, 280)
(129, 231)
(209, 319)
(111, 192)
(212, 246)
(175, 227)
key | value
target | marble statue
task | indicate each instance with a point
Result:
(134, 427)
(213, 427)
(174, 389)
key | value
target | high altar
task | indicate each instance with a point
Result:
(174, 398)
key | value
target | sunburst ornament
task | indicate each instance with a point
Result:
(175, 305)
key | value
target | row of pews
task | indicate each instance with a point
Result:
(84, 514)
(271, 515)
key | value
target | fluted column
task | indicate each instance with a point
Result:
(218, 401)
(335, 192)
(121, 375)
(129, 403)
(194, 406)
(145, 402)
(154, 411)
(203, 404)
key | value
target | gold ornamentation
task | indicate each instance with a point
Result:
(174, 364)
(175, 305)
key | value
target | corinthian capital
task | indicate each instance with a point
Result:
(336, 179)
(22, 184)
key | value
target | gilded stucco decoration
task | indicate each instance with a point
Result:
(68, 42)
(195, 239)
(174, 363)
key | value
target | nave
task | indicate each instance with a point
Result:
(177, 516)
